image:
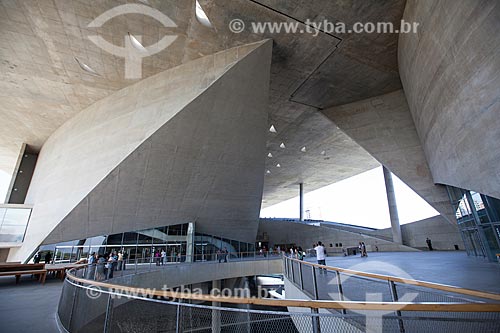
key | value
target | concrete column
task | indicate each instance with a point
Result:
(393, 207)
(190, 243)
(301, 197)
(216, 284)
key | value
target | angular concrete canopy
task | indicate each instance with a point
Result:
(384, 127)
(185, 145)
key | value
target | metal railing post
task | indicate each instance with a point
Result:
(394, 296)
(178, 322)
(293, 275)
(341, 291)
(300, 277)
(285, 267)
(109, 314)
(315, 321)
(315, 286)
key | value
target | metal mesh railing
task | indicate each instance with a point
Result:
(90, 306)
(112, 312)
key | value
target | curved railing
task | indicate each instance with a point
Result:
(299, 271)
(89, 306)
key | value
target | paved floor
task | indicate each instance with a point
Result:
(28, 306)
(446, 267)
(31, 307)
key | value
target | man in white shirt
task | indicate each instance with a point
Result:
(320, 256)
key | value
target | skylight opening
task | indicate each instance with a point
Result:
(201, 16)
(86, 67)
(136, 44)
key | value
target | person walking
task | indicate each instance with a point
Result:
(363, 250)
(100, 273)
(37, 258)
(120, 261)
(429, 244)
(48, 258)
(320, 256)
(91, 261)
(163, 257)
(125, 257)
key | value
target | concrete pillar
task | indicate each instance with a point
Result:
(301, 197)
(216, 284)
(393, 207)
(190, 243)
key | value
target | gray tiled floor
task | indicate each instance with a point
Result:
(446, 267)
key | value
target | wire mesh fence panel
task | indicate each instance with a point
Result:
(422, 294)
(357, 288)
(308, 280)
(135, 316)
(89, 310)
(66, 303)
(452, 322)
(296, 272)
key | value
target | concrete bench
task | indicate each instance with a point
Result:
(16, 269)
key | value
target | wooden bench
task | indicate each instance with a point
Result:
(59, 270)
(16, 269)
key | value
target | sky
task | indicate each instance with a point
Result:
(359, 200)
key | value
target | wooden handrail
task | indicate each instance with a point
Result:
(418, 283)
(351, 305)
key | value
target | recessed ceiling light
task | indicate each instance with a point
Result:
(323, 152)
(303, 149)
(86, 67)
(272, 129)
(278, 165)
(269, 155)
(136, 43)
(282, 145)
(268, 171)
(201, 16)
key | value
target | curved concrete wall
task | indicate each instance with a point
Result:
(450, 72)
(185, 145)
(304, 235)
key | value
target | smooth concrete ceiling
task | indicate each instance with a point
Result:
(42, 85)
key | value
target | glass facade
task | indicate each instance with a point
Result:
(478, 218)
(180, 243)
(13, 223)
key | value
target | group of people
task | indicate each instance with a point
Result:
(102, 267)
(296, 252)
(160, 257)
(38, 257)
(222, 255)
